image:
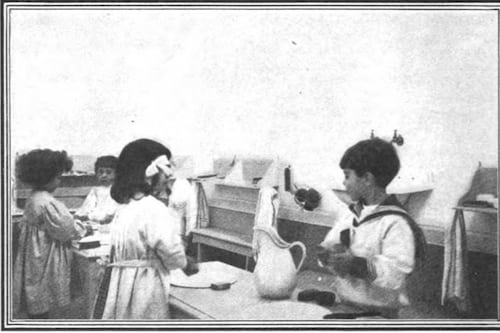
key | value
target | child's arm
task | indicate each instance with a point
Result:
(397, 259)
(159, 235)
(88, 205)
(105, 213)
(60, 224)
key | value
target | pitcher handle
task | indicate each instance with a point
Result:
(303, 247)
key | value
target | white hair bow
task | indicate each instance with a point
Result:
(160, 163)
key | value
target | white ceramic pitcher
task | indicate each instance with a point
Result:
(275, 274)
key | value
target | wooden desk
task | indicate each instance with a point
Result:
(89, 274)
(223, 239)
(207, 304)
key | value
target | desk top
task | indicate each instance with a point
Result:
(241, 301)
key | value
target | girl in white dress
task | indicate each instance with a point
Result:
(98, 205)
(146, 244)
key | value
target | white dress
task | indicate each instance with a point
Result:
(146, 249)
(98, 204)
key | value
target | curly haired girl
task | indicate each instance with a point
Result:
(43, 263)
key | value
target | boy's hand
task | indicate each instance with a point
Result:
(345, 263)
(324, 253)
(338, 259)
(340, 263)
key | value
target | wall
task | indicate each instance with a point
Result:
(302, 84)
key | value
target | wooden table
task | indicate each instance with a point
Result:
(89, 274)
(207, 304)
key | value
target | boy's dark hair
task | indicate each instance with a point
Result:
(108, 161)
(40, 166)
(375, 156)
(131, 168)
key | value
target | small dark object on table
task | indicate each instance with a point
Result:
(323, 298)
(478, 203)
(220, 286)
(340, 315)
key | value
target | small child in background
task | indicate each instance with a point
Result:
(99, 206)
(43, 263)
(373, 249)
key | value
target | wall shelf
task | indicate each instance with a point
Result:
(295, 214)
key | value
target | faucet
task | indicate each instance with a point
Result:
(397, 138)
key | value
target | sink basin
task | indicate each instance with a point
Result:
(403, 194)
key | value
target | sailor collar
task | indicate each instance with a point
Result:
(390, 205)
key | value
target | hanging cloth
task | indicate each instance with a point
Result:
(266, 213)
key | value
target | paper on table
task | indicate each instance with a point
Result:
(203, 279)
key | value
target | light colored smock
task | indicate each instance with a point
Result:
(147, 247)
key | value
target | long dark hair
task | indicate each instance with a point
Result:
(131, 167)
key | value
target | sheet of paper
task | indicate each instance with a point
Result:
(207, 275)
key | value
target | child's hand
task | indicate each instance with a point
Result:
(104, 228)
(337, 260)
(340, 263)
(324, 253)
(89, 230)
(191, 266)
(82, 218)
(107, 219)
(103, 260)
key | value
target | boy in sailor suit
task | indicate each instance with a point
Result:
(377, 245)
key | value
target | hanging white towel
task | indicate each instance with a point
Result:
(202, 214)
(188, 205)
(266, 212)
(272, 176)
(455, 284)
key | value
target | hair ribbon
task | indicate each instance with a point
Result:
(161, 163)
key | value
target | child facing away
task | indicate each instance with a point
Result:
(99, 206)
(145, 243)
(377, 245)
(43, 262)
